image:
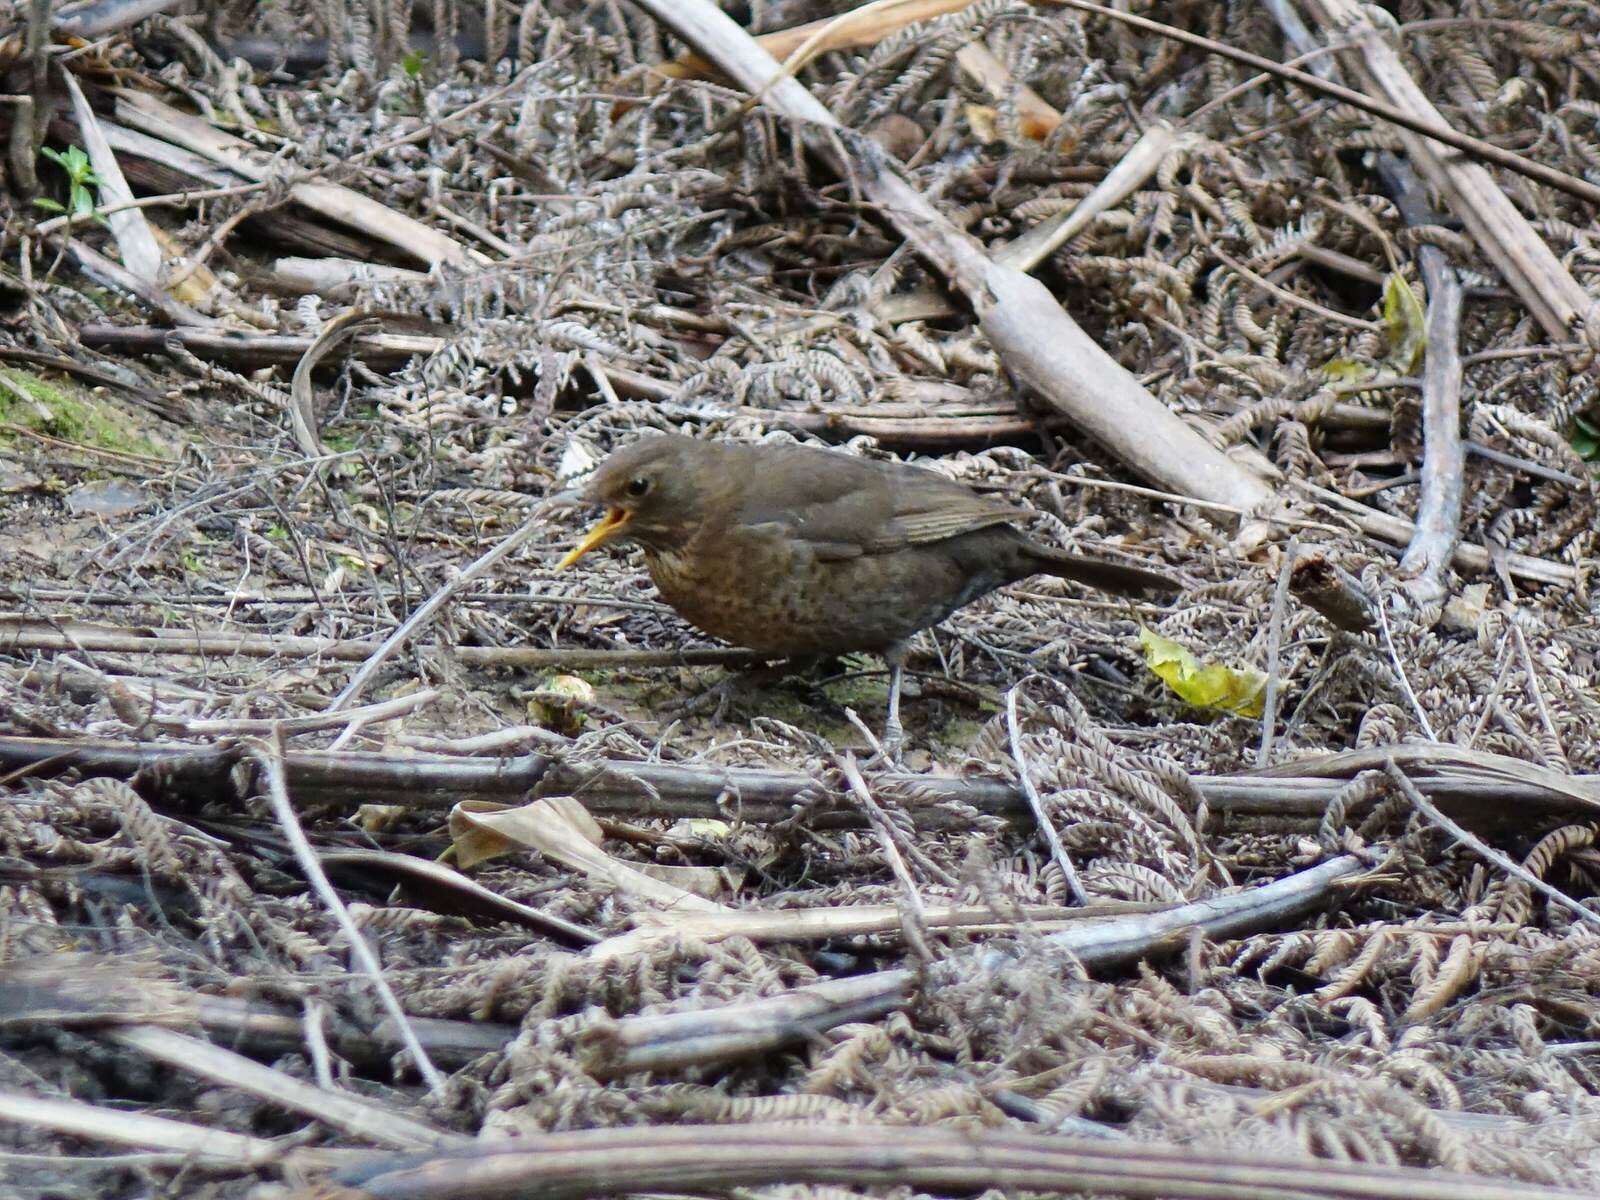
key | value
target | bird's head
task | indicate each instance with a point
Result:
(652, 492)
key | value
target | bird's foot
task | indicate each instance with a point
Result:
(892, 742)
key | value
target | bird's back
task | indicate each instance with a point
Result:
(813, 552)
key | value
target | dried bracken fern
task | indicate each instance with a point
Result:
(663, 259)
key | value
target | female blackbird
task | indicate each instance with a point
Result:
(798, 552)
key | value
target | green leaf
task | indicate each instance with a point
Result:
(74, 162)
(1405, 325)
(78, 165)
(1585, 440)
(50, 205)
(413, 63)
(1239, 690)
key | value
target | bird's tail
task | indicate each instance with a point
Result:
(1117, 578)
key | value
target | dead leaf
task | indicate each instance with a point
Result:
(562, 830)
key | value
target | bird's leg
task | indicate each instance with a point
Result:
(894, 733)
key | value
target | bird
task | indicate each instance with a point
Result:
(798, 552)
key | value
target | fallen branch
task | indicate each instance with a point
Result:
(734, 1158)
(1466, 556)
(332, 201)
(1506, 238)
(350, 1114)
(370, 714)
(90, 21)
(80, 991)
(1038, 342)
(676, 1040)
(103, 271)
(339, 278)
(19, 634)
(215, 1148)
(235, 348)
(1427, 558)
(845, 920)
(1333, 592)
(1486, 787)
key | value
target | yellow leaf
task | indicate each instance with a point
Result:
(380, 818)
(984, 122)
(561, 703)
(1347, 370)
(700, 827)
(1405, 325)
(1237, 690)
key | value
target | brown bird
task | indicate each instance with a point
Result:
(798, 552)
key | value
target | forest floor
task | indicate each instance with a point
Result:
(1096, 931)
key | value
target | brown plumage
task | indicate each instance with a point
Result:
(793, 551)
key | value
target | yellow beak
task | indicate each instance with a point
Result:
(609, 527)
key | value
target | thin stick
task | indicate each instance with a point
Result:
(914, 917)
(1400, 672)
(1134, 489)
(1036, 803)
(269, 754)
(199, 1144)
(1443, 475)
(1476, 844)
(1525, 465)
(1477, 147)
(1285, 294)
(1280, 608)
(425, 611)
(387, 710)
(42, 635)
(168, 199)
(1538, 693)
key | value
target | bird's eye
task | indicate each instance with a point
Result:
(638, 487)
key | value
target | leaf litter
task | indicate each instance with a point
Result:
(639, 253)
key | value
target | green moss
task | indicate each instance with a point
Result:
(59, 410)
(958, 733)
(863, 687)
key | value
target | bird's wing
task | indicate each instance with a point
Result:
(928, 514)
(858, 507)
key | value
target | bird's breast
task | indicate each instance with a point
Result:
(775, 594)
(744, 591)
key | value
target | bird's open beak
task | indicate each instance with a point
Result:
(612, 524)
